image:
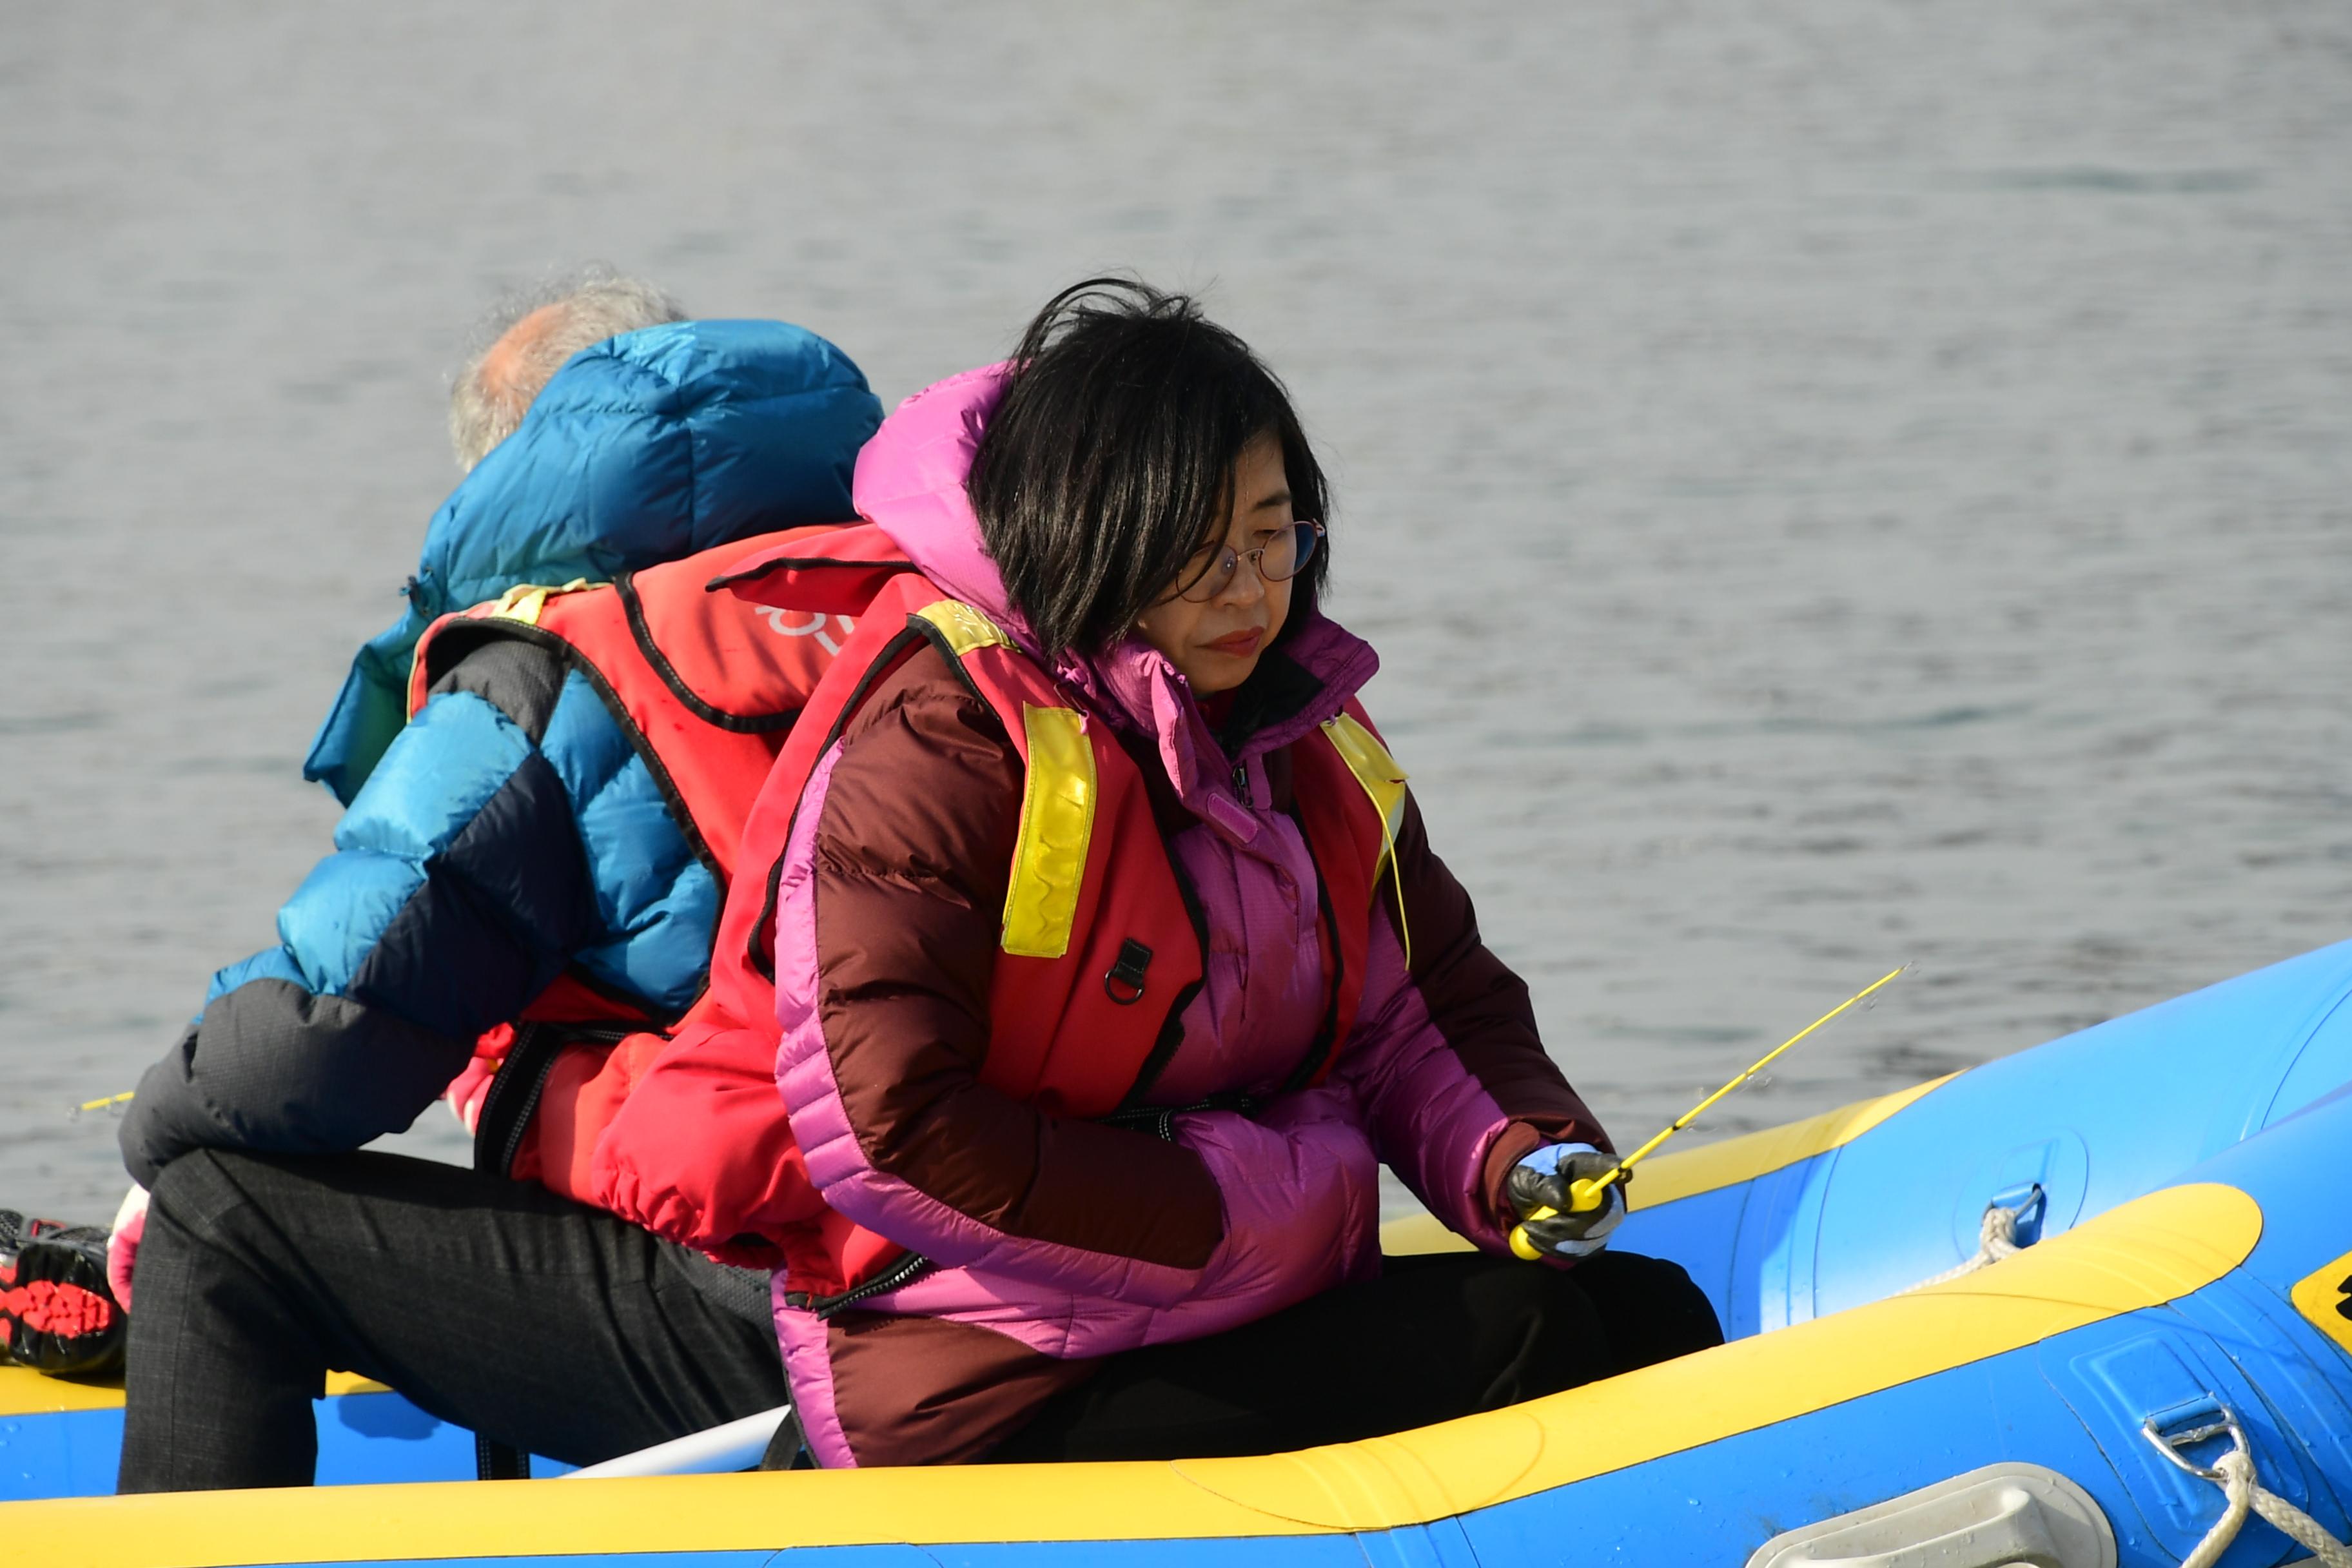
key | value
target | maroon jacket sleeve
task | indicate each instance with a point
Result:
(1453, 1078)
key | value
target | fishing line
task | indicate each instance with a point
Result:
(1588, 1194)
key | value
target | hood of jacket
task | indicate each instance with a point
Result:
(643, 448)
(910, 484)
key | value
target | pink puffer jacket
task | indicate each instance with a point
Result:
(1054, 1243)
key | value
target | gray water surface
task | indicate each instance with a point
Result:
(1833, 484)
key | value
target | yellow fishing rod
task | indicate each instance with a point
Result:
(1588, 1194)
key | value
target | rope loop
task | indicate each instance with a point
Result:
(2242, 1489)
(1996, 1239)
(2243, 1492)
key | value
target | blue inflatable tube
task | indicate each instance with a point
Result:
(2182, 1179)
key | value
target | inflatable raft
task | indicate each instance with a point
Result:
(2179, 1182)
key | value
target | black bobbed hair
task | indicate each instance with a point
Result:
(1110, 460)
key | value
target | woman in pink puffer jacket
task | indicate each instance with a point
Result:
(1129, 514)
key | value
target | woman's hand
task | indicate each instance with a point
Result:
(123, 1243)
(1542, 1184)
(469, 1089)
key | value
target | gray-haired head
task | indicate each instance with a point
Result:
(530, 335)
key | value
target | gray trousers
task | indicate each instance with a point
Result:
(492, 1304)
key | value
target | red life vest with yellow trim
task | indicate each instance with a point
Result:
(1100, 950)
(706, 686)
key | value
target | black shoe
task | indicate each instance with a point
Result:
(57, 1312)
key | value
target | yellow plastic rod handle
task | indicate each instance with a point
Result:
(1588, 1194)
(1584, 1194)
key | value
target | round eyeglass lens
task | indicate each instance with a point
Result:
(1279, 560)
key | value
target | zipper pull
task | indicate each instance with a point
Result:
(1241, 783)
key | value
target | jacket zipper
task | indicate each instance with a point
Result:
(891, 1278)
(1161, 1121)
(512, 1098)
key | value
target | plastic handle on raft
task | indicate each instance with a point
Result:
(1584, 1195)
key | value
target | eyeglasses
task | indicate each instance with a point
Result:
(1211, 569)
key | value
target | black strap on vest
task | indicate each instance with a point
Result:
(789, 1449)
(506, 1110)
(495, 1461)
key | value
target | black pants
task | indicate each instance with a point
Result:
(566, 1332)
(1434, 1338)
(492, 1304)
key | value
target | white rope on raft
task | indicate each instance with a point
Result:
(2242, 1489)
(2234, 1474)
(1996, 1239)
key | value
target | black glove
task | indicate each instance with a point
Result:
(1541, 1181)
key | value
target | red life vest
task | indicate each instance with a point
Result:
(1100, 952)
(706, 686)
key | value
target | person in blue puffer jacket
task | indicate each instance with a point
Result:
(509, 830)
(509, 834)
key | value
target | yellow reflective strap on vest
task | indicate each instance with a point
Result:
(1384, 783)
(1057, 820)
(1374, 769)
(524, 601)
(1058, 803)
(966, 628)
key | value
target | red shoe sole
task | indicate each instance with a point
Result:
(56, 1314)
(50, 1306)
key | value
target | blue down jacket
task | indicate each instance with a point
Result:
(510, 832)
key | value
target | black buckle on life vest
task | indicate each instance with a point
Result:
(1124, 982)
